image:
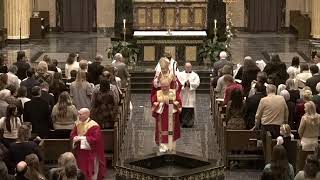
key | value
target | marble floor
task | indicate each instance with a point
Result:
(199, 140)
(259, 46)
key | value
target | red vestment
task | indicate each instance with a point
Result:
(163, 118)
(86, 158)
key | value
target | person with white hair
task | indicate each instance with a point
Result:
(291, 106)
(220, 63)
(272, 112)
(89, 146)
(121, 69)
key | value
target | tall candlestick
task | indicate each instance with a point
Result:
(215, 23)
(124, 23)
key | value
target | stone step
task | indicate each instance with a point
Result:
(148, 85)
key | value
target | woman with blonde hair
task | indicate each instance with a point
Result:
(71, 64)
(42, 74)
(81, 91)
(309, 127)
(300, 109)
(64, 113)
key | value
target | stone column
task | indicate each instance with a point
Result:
(17, 13)
(315, 19)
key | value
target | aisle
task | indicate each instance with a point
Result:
(199, 140)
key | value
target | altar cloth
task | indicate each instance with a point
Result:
(171, 33)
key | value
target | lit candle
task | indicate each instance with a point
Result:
(124, 23)
(215, 23)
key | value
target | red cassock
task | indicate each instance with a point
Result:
(163, 118)
(86, 158)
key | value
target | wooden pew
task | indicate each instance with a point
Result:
(244, 141)
(51, 149)
(293, 154)
(110, 143)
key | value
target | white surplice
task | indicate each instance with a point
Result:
(189, 94)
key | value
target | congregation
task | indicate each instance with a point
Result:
(273, 99)
(39, 101)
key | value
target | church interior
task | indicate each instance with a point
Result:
(188, 89)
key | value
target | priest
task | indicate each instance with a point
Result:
(88, 143)
(172, 65)
(166, 107)
(190, 82)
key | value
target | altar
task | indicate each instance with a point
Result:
(177, 27)
(183, 45)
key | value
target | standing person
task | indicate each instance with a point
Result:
(313, 81)
(247, 73)
(95, 69)
(71, 64)
(30, 81)
(22, 65)
(277, 69)
(190, 82)
(272, 112)
(12, 78)
(45, 95)
(230, 86)
(3, 66)
(122, 71)
(310, 170)
(295, 65)
(222, 62)
(88, 143)
(173, 65)
(235, 111)
(37, 112)
(161, 111)
(57, 86)
(64, 113)
(10, 125)
(309, 128)
(81, 91)
(303, 75)
(42, 74)
(103, 107)
(220, 83)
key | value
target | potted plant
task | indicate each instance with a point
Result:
(129, 51)
(210, 50)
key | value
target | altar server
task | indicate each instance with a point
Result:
(190, 82)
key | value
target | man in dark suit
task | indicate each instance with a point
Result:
(37, 112)
(121, 69)
(313, 81)
(219, 64)
(95, 69)
(45, 95)
(30, 81)
(252, 104)
(22, 65)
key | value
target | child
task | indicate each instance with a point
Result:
(286, 135)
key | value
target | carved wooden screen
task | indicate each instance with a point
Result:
(175, 15)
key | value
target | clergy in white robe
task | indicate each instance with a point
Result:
(190, 82)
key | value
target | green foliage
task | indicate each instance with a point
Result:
(129, 50)
(211, 49)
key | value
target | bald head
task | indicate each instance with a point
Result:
(223, 55)
(188, 67)
(21, 166)
(84, 114)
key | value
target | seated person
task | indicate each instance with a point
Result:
(21, 170)
(34, 171)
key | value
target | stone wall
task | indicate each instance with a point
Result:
(1, 14)
(105, 11)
